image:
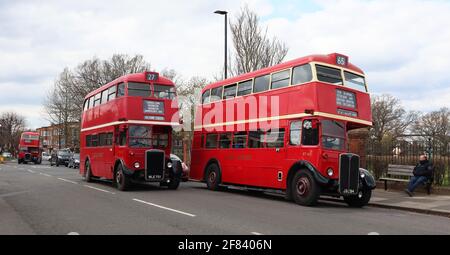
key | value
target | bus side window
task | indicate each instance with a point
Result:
(275, 138)
(225, 141)
(240, 140)
(310, 133)
(256, 139)
(121, 90)
(295, 133)
(211, 141)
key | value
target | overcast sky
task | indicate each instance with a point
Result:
(403, 45)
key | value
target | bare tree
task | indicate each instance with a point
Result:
(65, 100)
(252, 48)
(11, 127)
(435, 125)
(390, 119)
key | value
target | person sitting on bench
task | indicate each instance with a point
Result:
(422, 172)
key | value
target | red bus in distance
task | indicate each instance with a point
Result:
(126, 132)
(285, 128)
(29, 148)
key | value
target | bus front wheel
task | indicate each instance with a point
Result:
(121, 180)
(305, 190)
(213, 177)
(360, 200)
(174, 183)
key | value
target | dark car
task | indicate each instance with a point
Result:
(74, 161)
(60, 157)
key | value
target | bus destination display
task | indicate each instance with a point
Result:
(153, 107)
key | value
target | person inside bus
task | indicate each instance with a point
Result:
(422, 173)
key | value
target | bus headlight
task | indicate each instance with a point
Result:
(362, 174)
(136, 165)
(169, 165)
(330, 171)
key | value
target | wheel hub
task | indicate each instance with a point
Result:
(212, 177)
(303, 186)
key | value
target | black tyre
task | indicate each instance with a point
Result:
(174, 183)
(304, 189)
(360, 200)
(121, 180)
(88, 172)
(213, 177)
(19, 161)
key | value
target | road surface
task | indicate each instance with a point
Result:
(40, 199)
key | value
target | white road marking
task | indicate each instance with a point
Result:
(163, 207)
(373, 234)
(45, 174)
(91, 187)
(256, 233)
(73, 234)
(64, 180)
(31, 171)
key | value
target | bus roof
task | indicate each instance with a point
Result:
(30, 133)
(328, 59)
(135, 77)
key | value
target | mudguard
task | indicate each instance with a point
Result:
(317, 176)
(177, 168)
(368, 180)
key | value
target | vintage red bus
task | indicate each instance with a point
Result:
(285, 128)
(126, 131)
(29, 148)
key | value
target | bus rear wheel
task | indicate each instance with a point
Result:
(304, 189)
(88, 172)
(121, 180)
(213, 177)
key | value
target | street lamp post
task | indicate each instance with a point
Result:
(225, 14)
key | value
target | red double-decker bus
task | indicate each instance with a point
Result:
(126, 131)
(285, 128)
(29, 148)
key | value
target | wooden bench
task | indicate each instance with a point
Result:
(402, 173)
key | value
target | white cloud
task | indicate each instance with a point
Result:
(401, 45)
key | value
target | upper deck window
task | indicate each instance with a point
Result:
(229, 91)
(329, 74)
(104, 96)
(139, 89)
(165, 92)
(111, 93)
(301, 74)
(97, 99)
(262, 83)
(280, 79)
(355, 81)
(245, 88)
(121, 90)
(216, 94)
(205, 96)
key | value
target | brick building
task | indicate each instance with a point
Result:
(52, 137)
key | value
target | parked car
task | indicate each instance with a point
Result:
(60, 157)
(7, 155)
(46, 156)
(185, 175)
(74, 161)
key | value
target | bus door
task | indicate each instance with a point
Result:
(271, 159)
(108, 154)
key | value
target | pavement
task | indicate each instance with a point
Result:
(40, 199)
(420, 202)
